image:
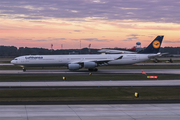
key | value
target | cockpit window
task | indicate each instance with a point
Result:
(15, 59)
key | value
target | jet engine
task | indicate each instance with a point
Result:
(74, 66)
(90, 65)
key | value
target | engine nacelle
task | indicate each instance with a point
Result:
(74, 66)
(90, 65)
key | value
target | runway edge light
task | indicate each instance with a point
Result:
(136, 94)
(64, 78)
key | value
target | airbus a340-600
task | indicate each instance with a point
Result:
(89, 61)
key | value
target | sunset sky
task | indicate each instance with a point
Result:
(101, 23)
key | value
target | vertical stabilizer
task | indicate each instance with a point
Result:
(154, 46)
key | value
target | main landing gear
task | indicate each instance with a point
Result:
(24, 69)
(93, 69)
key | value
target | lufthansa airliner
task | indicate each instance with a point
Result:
(89, 61)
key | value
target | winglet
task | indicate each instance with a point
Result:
(154, 46)
(119, 58)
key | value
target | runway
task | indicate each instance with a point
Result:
(76, 84)
(6, 64)
(89, 112)
(81, 72)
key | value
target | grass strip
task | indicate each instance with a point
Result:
(112, 94)
(83, 77)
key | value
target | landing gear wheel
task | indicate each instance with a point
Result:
(24, 69)
(93, 69)
(90, 70)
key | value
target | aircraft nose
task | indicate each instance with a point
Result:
(12, 62)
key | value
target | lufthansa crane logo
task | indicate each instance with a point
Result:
(156, 44)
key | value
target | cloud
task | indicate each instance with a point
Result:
(34, 40)
(92, 39)
(46, 39)
(75, 39)
(96, 39)
(41, 40)
(171, 41)
(62, 39)
(58, 39)
(85, 10)
(29, 39)
(77, 30)
(132, 37)
(3, 39)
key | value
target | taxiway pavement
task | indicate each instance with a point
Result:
(89, 112)
(101, 71)
(6, 64)
(127, 83)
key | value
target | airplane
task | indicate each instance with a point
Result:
(89, 61)
(110, 51)
(114, 51)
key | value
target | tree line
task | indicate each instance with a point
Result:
(14, 51)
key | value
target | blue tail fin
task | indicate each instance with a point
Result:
(154, 46)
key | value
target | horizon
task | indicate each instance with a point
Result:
(78, 23)
(83, 48)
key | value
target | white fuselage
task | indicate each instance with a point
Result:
(64, 60)
(90, 61)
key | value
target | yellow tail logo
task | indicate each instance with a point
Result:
(156, 44)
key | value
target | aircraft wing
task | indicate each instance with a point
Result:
(98, 61)
(109, 51)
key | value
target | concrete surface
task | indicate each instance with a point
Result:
(91, 112)
(6, 64)
(86, 72)
(92, 83)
